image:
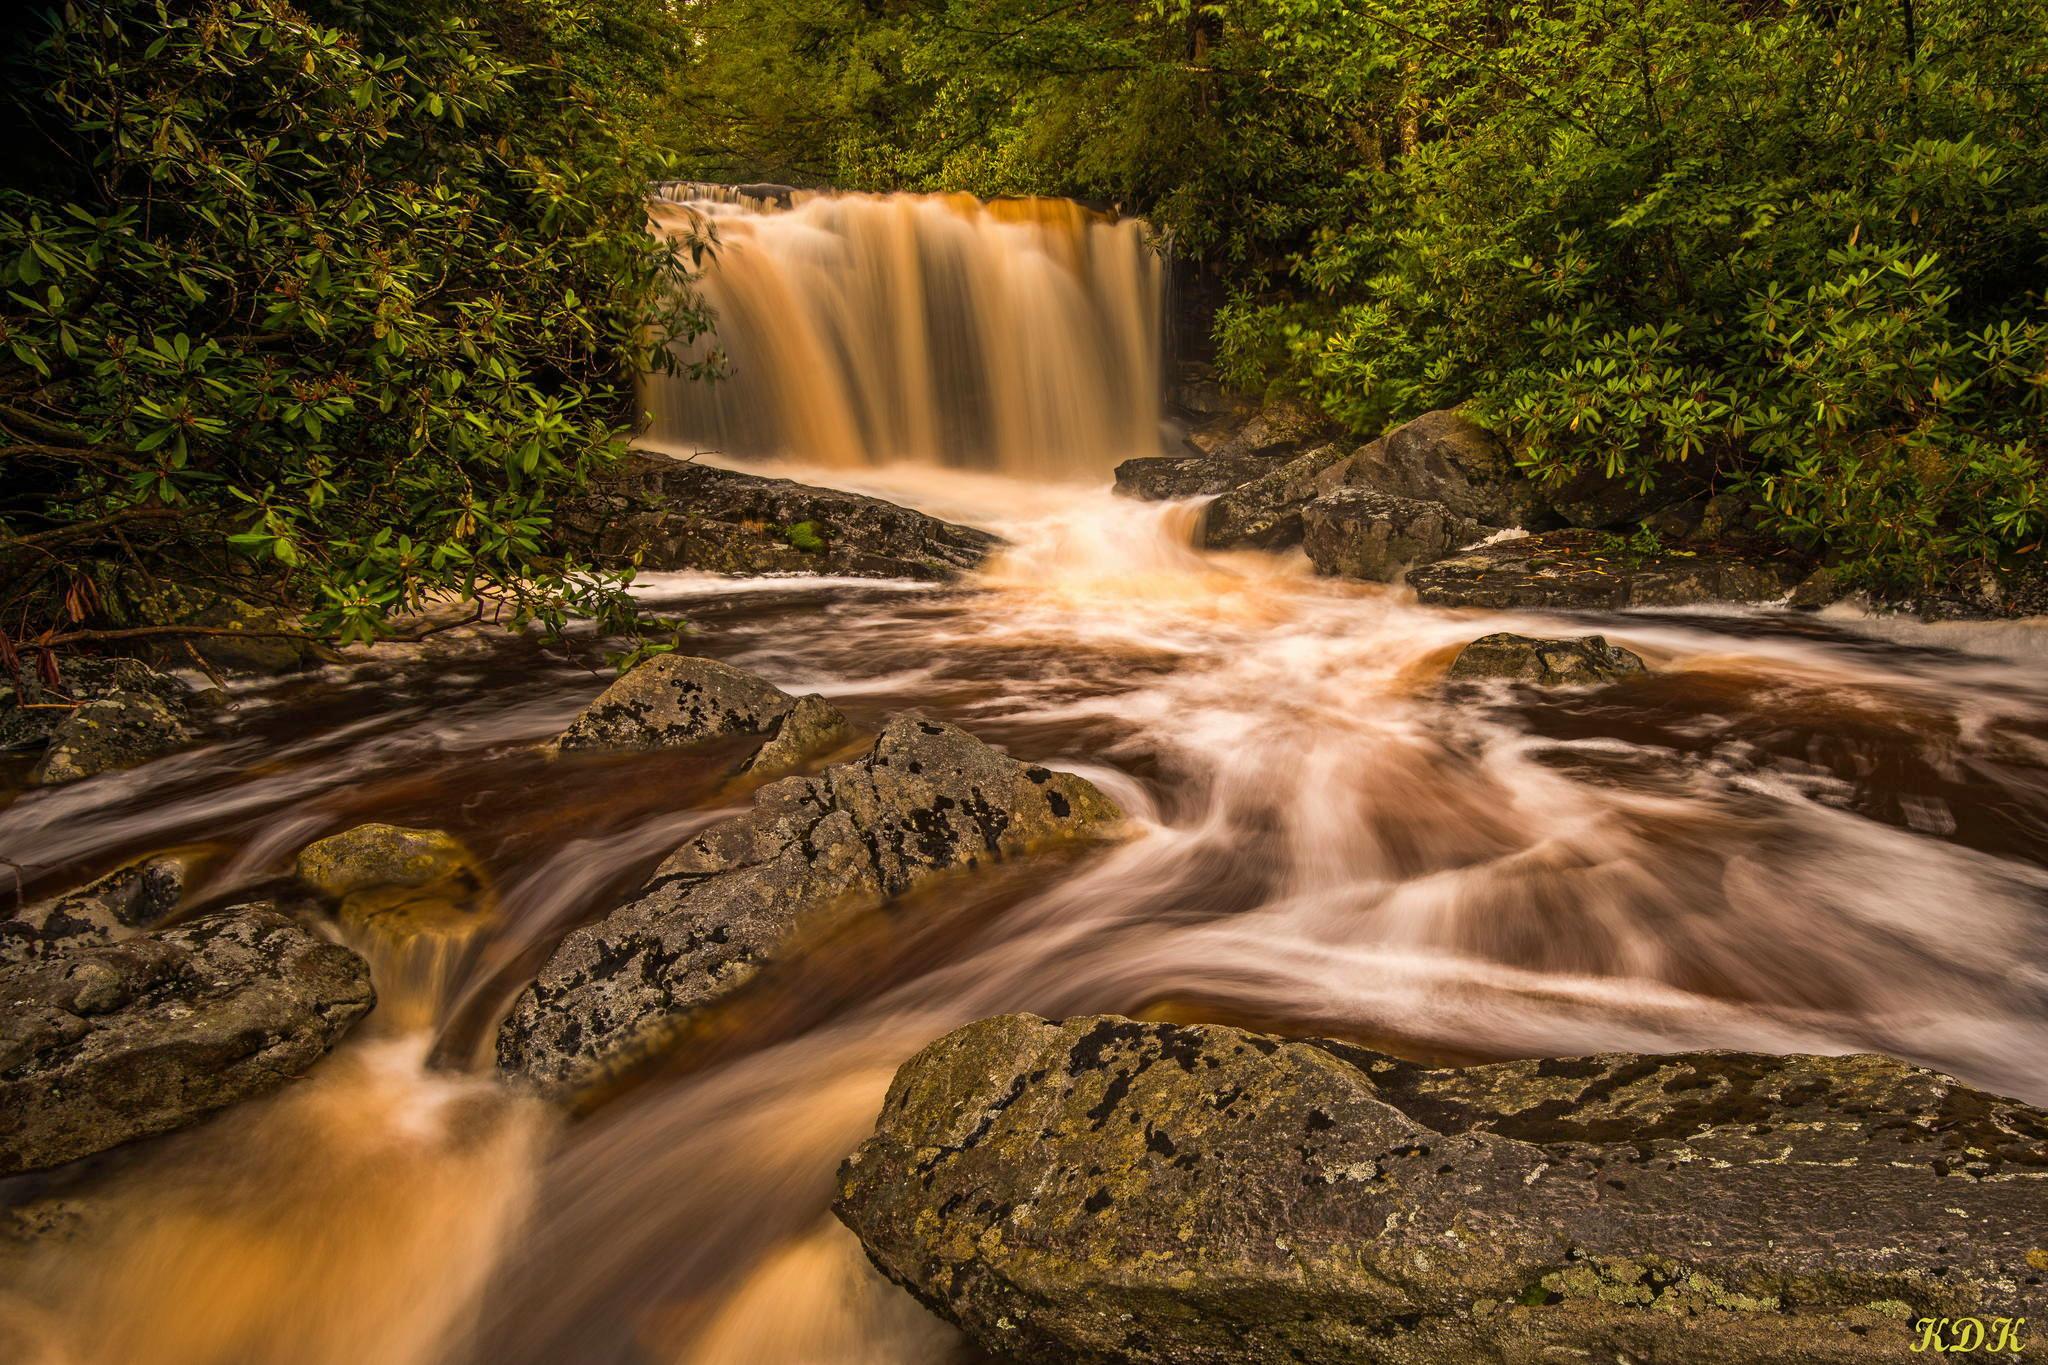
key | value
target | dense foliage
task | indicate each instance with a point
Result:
(1798, 249)
(328, 298)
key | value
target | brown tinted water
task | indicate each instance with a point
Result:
(1799, 834)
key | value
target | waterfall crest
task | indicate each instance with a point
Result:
(1018, 335)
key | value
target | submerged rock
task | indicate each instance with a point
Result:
(116, 906)
(1546, 663)
(928, 798)
(1359, 533)
(1446, 457)
(1107, 1190)
(1586, 570)
(673, 514)
(1265, 514)
(378, 855)
(124, 1040)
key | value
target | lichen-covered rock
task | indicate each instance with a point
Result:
(811, 727)
(121, 730)
(1360, 533)
(1278, 426)
(675, 514)
(1106, 1190)
(928, 798)
(1545, 663)
(377, 855)
(1265, 514)
(116, 906)
(1157, 478)
(253, 638)
(1448, 458)
(674, 700)
(101, 714)
(1585, 570)
(124, 1040)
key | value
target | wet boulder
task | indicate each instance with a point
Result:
(1265, 514)
(1544, 663)
(1107, 1190)
(1277, 427)
(660, 513)
(1446, 457)
(1360, 533)
(378, 855)
(1160, 477)
(119, 905)
(676, 700)
(100, 714)
(927, 799)
(1587, 570)
(123, 1040)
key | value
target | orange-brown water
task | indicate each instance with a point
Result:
(1799, 834)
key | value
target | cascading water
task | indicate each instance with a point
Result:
(1020, 335)
(1797, 833)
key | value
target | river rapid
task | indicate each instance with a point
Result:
(1799, 833)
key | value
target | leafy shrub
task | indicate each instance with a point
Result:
(343, 288)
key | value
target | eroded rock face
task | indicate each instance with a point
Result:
(674, 514)
(124, 1040)
(1359, 533)
(1107, 1190)
(1265, 514)
(116, 906)
(1577, 571)
(1545, 663)
(1448, 458)
(928, 798)
(1278, 426)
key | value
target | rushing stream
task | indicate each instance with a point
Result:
(1799, 833)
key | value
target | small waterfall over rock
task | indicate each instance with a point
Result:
(1020, 335)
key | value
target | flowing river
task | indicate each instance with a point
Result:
(1798, 834)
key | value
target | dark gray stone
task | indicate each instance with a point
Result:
(1265, 514)
(1360, 533)
(1546, 663)
(1448, 458)
(927, 799)
(83, 679)
(1105, 1190)
(116, 906)
(121, 730)
(674, 514)
(1157, 478)
(124, 1040)
(1585, 570)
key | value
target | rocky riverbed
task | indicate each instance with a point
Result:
(1199, 955)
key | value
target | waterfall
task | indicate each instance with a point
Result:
(1020, 335)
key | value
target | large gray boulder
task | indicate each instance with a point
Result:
(675, 700)
(1544, 663)
(1106, 1190)
(927, 799)
(1448, 458)
(1585, 570)
(675, 514)
(1360, 533)
(116, 906)
(1265, 514)
(123, 1040)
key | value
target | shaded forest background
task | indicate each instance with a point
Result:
(341, 296)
